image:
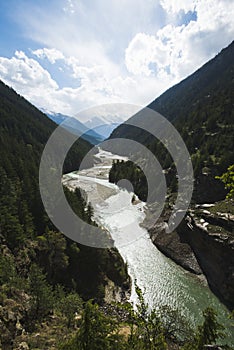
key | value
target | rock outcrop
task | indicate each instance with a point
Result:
(173, 244)
(175, 247)
(212, 241)
(202, 244)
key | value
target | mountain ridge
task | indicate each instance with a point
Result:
(201, 109)
(75, 126)
(39, 266)
(103, 125)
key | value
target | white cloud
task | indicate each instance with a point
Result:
(172, 6)
(25, 73)
(180, 50)
(95, 31)
(143, 50)
(97, 85)
(116, 51)
(31, 80)
(51, 54)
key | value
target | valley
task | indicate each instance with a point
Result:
(163, 282)
(154, 289)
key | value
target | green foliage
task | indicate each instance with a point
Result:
(97, 331)
(24, 131)
(201, 109)
(79, 206)
(148, 332)
(42, 300)
(208, 333)
(225, 206)
(15, 219)
(211, 330)
(129, 171)
(228, 179)
(7, 269)
(175, 327)
(24, 226)
(52, 254)
(207, 127)
(9, 277)
(69, 305)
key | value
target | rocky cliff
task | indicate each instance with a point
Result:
(211, 237)
(203, 243)
(171, 244)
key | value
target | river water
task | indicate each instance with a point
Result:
(162, 281)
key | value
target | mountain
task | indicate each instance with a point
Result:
(24, 131)
(201, 109)
(39, 266)
(75, 126)
(104, 125)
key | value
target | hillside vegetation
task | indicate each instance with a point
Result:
(201, 109)
(38, 265)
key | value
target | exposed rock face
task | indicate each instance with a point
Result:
(174, 247)
(12, 318)
(214, 251)
(117, 294)
(23, 346)
(203, 244)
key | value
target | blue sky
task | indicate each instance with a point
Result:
(69, 55)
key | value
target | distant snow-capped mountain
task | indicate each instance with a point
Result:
(104, 125)
(75, 126)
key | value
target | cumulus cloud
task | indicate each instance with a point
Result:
(142, 51)
(25, 73)
(172, 6)
(95, 30)
(96, 85)
(179, 50)
(114, 51)
(52, 55)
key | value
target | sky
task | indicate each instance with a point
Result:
(68, 55)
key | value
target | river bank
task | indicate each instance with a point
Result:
(163, 282)
(171, 244)
(203, 244)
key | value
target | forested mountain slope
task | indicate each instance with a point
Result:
(24, 131)
(38, 264)
(201, 108)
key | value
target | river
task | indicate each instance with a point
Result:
(162, 281)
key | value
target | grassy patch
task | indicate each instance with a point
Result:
(225, 206)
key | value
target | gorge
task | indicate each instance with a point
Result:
(162, 281)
